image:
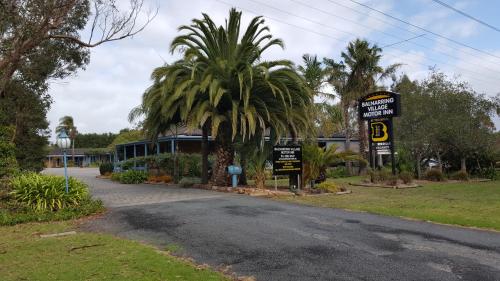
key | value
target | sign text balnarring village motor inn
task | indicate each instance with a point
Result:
(379, 105)
(287, 160)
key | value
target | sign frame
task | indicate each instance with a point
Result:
(380, 104)
(287, 160)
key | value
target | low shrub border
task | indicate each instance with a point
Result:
(37, 197)
(12, 213)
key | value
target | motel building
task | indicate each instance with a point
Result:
(184, 141)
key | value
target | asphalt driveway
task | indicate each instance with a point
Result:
(281, 241)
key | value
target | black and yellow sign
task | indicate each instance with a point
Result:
(287, 159)
(382, 104)
(380, 131)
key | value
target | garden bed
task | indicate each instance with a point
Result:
(381, 185)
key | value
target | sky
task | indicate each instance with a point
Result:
(100, 97)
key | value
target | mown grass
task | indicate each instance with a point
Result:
(85, 256)
(473, 204)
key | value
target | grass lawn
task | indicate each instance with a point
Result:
(475, 204)
(86, 256)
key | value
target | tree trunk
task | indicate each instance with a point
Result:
(260, 179)
(440, 164)
(363, 137)
(463, 165)
(347, 146)
(243, 177)
(204, 155)
(419, 168)
(224, 157)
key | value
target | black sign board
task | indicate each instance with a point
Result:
(287, 159)
(380, 131)
(380, 104)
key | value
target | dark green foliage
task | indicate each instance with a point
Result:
(12, 213)
(94, 140)
(105, 168)
(115, 176)
(8, 163)
(133, 177)
(489, 173)
(189, 163)
(47, 192)
(434, 175)
(26, 114)
(327, 187)
(406, 177)
(337, 172)
(444, 119)
(460, 176)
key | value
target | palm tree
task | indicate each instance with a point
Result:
(318, 159)
(67, 125)
(357, 75)
(221, 80)
(337, 76)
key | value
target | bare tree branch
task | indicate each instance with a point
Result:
(27, 24)
(113, 24)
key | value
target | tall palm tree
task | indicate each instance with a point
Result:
(337, 75)
(67, 124)
(359, 74)
(222, 80)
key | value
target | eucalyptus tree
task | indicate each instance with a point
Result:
(222, 81)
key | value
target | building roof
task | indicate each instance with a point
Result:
(56, 151)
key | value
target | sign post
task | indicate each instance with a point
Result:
(379, 108)
(287, 160)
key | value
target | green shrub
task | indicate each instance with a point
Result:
(328, 187)
(337, 172)
(189, 163)
(106, 168)
(115, 176)
(378, 176)
(17, 213)
(460, 176)
(47, 192)
(8, 162)
(406, 177)
(189, 181)
(489, 173)
(434, 175)
(133, 177)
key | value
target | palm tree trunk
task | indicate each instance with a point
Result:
(362, 139)
(204, 156)
(224, 157)
(260, 179)
(345, 108)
